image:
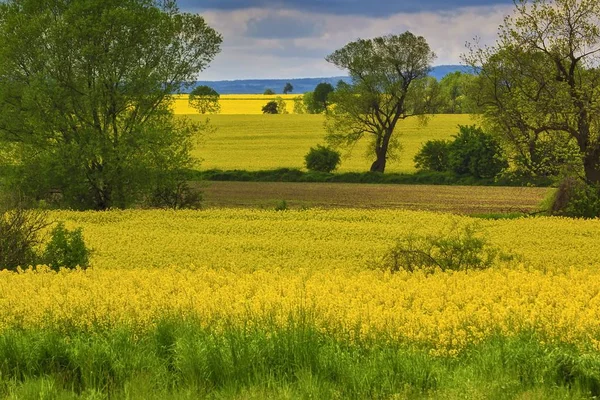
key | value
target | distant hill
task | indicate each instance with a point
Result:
(258, 86)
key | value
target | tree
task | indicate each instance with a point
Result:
(453, 89)
(86, 93)
(540, 83)
(320, 97)
(288, 88)
(205, 99)
(270, 108)
(384, 71)
(322, 159)
(269, 92)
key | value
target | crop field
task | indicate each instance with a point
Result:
(246, 139)
(259, 142)
(213, 296)
(236, 103)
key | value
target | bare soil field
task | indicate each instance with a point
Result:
(456, 199)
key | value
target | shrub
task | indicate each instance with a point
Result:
(476, 153)
(322, 159)
(270, 108)
(268, 92)
(575, 198)
(462, 248)
(19, 236)
(433, 156)
(66, 249)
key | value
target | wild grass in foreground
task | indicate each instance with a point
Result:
(183, 360)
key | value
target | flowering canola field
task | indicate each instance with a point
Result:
(253, 267)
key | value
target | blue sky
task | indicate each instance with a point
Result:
(290, 38)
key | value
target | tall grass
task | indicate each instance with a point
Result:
(179, 359)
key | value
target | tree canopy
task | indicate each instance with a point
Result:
(539, 86)
(205, 99)
(86, 92)
(384, 73)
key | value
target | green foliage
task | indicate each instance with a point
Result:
(575, 198)
(453, 93)
(461, 248)
(476, 153)
(281, 105)
(320, 97)
(205, 99)
(539, 84)
(322, 159)
(299, 107)
(269, 92)
(66, 249)
(100, 135)
(20, 231)
(288, 88)
(271, 108)
(433, 156)
(281, 206)
(182, 360)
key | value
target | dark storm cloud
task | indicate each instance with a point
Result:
(372, 8)
(282, 27)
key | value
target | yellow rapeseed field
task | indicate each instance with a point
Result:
(236, 103)
(253, 267)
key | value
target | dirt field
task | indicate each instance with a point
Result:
(457, 199)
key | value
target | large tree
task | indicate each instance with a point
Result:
(85, 94)
(539, 86)
(384, 71)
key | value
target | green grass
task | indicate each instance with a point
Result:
(264, 142)
(185, 361)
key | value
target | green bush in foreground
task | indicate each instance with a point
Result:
(183, 360)
(66, 249)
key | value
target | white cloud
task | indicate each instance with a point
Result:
(245, 57)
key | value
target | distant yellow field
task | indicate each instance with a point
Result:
(236, 103)
(259, 142)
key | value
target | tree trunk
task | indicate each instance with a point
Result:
(381, 152)
(591, 167)
(379, 164)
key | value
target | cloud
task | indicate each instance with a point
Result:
(372, 8)
(257, 46)
(274, 26)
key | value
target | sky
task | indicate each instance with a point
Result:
(284, 39)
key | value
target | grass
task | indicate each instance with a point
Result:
(456, 199)
(264, 142)
(182, 360)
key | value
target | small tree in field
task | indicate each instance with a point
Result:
(205, 99)
(270, 108)
(288, 88)
(269, 92)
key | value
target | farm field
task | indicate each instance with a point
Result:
(231, 300)
(454, 199)
(259, 142)
(246, 139)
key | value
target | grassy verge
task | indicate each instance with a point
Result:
(296, 175)
(183, 360)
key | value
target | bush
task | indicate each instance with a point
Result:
(270, 108)
(462, 248)
(476, 153)
(19, 236)
(322, 159)
(575, 198)
(433, 156)
(66, 249)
